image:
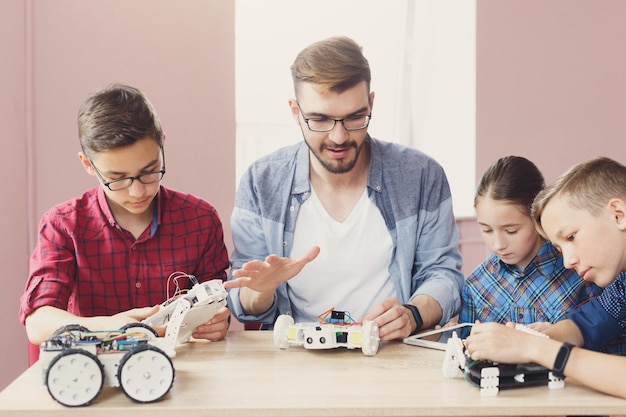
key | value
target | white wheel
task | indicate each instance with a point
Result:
(369, 338)
(75, 377)
(145, 373)
(281, 330)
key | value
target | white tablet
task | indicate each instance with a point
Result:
(437, 339)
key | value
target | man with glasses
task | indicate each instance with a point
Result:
(105, 259)
(344, 220)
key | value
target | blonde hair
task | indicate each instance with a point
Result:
(586, 186)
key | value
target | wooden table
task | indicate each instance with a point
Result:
(245, 375)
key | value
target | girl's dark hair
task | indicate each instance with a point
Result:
(511, 178)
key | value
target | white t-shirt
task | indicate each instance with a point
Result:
(351, 271)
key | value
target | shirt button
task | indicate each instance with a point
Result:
(138, 285)
(378, 188)
(285, 243)
(296, 189)
(291, 208)
(520, 316)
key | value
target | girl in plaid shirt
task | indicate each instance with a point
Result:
(524, 279)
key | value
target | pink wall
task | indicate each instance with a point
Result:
(550, 87)
(181, 53)
(550, 81)
(14, 196)
(471, 244)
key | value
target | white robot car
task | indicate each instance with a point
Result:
(335, 329)
(77, 363)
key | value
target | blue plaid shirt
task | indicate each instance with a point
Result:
(544, 291)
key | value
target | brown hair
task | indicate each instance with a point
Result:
(116, 116)
(586, 186)
(334, 64)
(511, 178)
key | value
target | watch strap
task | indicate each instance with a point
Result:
(561, 360)
(416, 316)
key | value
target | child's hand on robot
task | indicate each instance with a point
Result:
(540, 326)
(216, 328)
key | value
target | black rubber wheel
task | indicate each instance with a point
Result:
(140, 326)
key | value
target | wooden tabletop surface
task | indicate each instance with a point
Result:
(246, 375)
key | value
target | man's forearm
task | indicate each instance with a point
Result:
(254, 302)
(429, 309)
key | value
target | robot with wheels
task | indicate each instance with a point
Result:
(77, 363)
(335, 329)
(183, 313)
(491, 377)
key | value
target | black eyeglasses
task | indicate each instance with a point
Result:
(326, 124)
(124, 183)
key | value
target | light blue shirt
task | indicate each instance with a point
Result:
(409, 188)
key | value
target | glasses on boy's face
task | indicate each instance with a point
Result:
(326, 124)
(124, 183)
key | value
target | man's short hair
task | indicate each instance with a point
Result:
(334, 64)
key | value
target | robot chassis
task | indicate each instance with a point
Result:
(77, 363)
(335, 329)
(491, 377)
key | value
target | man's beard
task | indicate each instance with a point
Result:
(337, 166)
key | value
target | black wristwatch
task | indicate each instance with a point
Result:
(561, 360)
(416, 316)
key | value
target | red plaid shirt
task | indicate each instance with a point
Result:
(86, 264)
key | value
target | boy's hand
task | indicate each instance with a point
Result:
(216, 328)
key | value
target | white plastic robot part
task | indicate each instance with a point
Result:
(489, 381)
(146, 374)
(200, 294)
(75, 377)
(454, 361)
(281, 331)
(529, 330)
(369, 338)
(314, 335)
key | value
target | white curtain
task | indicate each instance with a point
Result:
(436, 99)
(422, 54)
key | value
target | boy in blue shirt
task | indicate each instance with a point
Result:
(583, 213)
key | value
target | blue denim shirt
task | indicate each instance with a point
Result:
(409, 188)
